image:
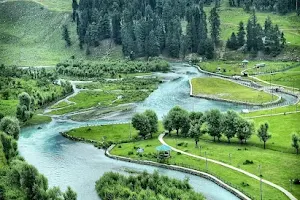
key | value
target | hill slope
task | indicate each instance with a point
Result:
(31, 34)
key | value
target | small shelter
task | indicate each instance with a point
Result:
(245, 63)
(163, 152)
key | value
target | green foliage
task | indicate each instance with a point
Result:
(144, 186)
(229, 128)
(179, 120)
(10, 126)
(105, 68)
(153, 120)
(214, 20)
(141, 123)
(24, 110)
(263, 133)
(9, 146)
(295, 142)
(70, 194)
(213, 118)
(66, 35)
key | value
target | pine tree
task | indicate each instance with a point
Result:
(209, 49)
(140, 35)
(128, 44)
(116, 27)
(74, 7)
(91, 36)
(152, 45)
(232, 42)
(104, 27)
(241, 35)
(66, 36)
(214, 20)
(160, 33)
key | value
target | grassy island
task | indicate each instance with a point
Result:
(228, 90)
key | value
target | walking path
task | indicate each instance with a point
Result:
(287, 193)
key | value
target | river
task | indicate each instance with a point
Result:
(79, 165)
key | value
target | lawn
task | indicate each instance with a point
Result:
(101, 99)
(231, 177)
(231, 68)
(289, 78)
(61, 104)
(272, 162)
(8, 107)
(228, 90)
(280, 110)
(37, 119)
(116, 133)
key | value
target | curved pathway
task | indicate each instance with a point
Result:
(287, 193)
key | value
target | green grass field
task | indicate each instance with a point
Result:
(233, 178)
(114, 133)
(290, 78)
(89, 99)
(229, 90)
(31, 35)
(8, 107)
(272, 162)
(231, 68)
(31, 32)
(37, 119)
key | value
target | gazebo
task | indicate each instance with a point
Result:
(163, 152)
(245, 63)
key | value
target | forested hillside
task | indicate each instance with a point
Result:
(34, 32)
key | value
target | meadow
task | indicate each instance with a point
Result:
(228, 90)
(231, 68)
(289, 78)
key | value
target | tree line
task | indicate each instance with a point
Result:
(212, 122)
(280, 6)
(21, 180)
(110, 68)
(147, 28)
(257, 38)
(144, 186)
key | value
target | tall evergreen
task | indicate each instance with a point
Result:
(116, 27)
(66, 36)
(214, 20)
(232, 42)
(241, 35)
(152, 45)
(74, 8)
(128, 44)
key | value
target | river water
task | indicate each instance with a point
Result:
(79, 165)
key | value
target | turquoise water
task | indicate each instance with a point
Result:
(67, 163)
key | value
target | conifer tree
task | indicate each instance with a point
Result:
(214, 20)
(241, 35)
(66, 36)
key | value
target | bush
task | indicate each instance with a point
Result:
(130, 153)
(180, 144)
(297, 181)
(178, 153)
(248, 162)
(244, 184)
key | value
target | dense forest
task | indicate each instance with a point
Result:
(149, 28)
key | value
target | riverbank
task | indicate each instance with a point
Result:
(220, 183)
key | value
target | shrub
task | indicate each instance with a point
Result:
(297, 181)
(130, 153)
(178, 153)
(248, 162)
